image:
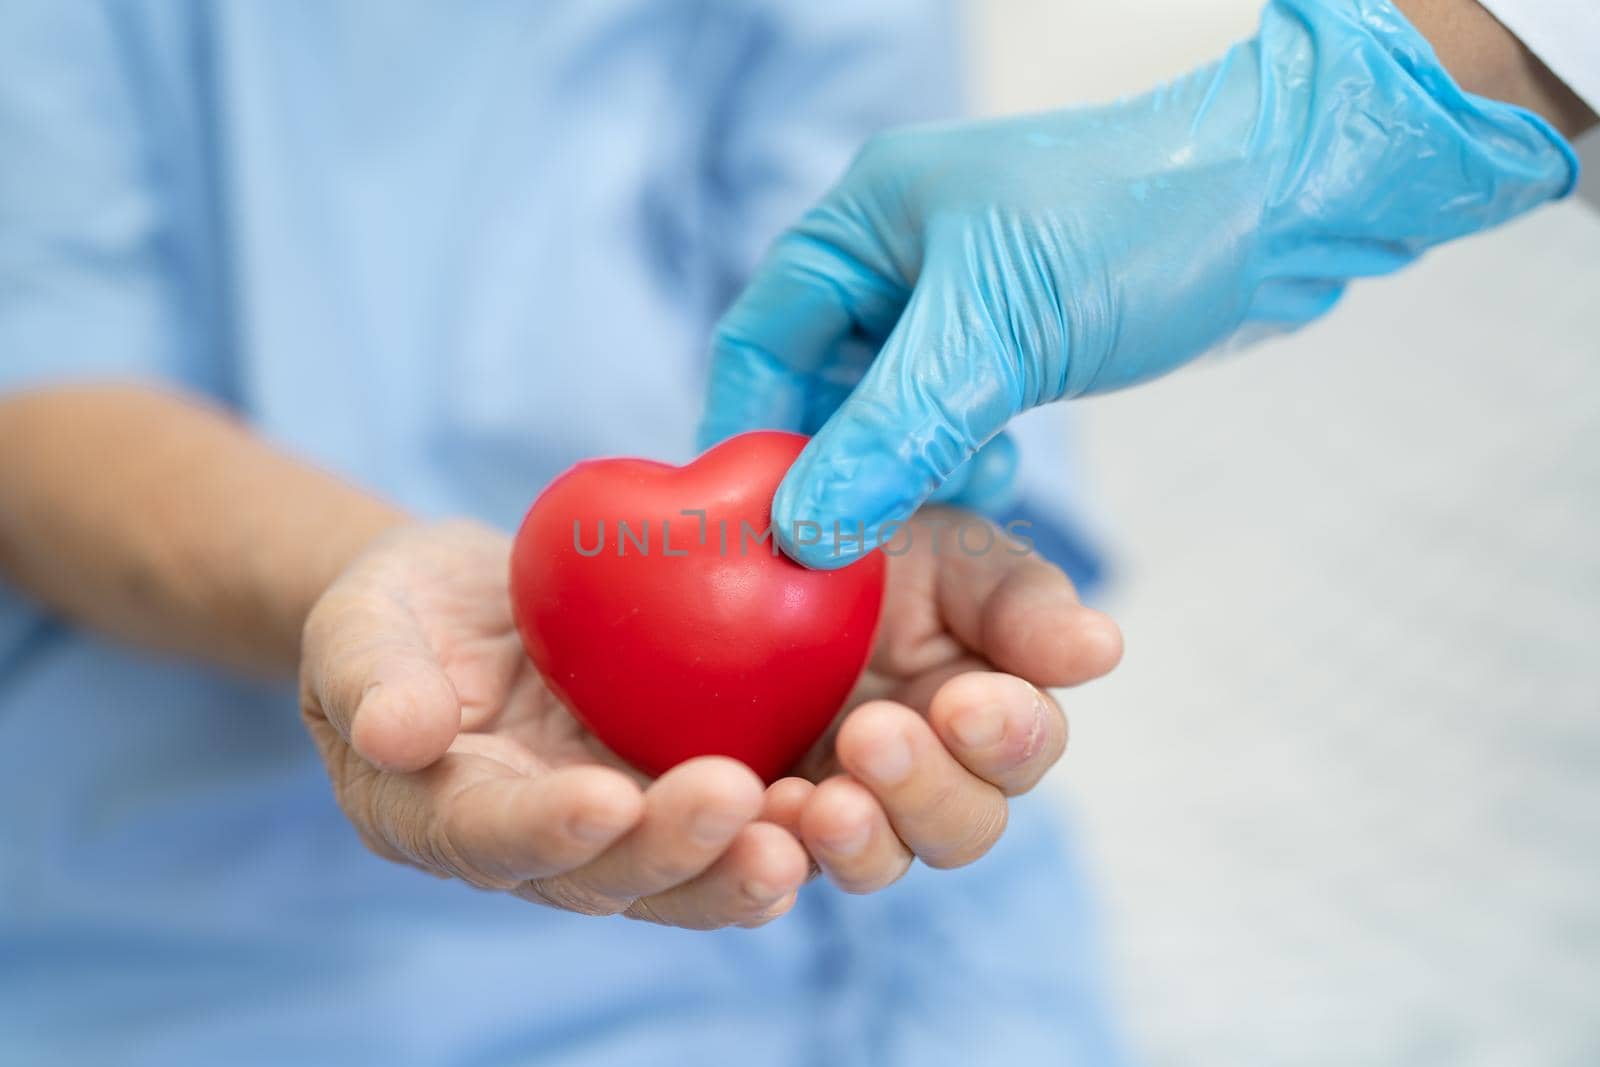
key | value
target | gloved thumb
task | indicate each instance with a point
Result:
(936, 394)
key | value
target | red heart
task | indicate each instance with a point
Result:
(671, 637)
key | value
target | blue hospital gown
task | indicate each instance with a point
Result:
(444, 251)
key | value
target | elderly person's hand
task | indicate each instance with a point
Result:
(447, 751)
(952, 717)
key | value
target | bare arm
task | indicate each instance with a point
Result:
(159, 521)
(1487, 59)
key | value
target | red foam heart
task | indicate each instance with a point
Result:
(674, 637)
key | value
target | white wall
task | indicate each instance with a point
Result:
(1033, 54)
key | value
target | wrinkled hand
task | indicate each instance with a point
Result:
(951, 718)
(447, 752)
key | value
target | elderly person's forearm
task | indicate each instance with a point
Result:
(157, 520)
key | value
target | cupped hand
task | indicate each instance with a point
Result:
(447, 752)
(952, 718)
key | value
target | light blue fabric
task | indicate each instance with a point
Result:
(1005, 264)
(443, 250)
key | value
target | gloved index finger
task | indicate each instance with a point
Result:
(776, 343)
(940, 390)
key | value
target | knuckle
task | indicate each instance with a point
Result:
(561, 894)
(667, 870)
(442, 850)
(973, 842)
(731, 332)
(387, 814)
(441, 853)
(932, 803)
(646, 910)
(355, 787)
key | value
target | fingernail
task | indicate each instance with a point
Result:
(979, 727)
(760, 893)
(713, 826)
(888, 762)
(1025, 726)
(851, 842)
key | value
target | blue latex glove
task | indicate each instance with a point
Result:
(994, 266)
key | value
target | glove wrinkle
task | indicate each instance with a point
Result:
(1020, 261)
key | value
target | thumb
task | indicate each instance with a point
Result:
(937, 393)
(369, 670)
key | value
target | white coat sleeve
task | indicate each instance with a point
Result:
(1565, 35)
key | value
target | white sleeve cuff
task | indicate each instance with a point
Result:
(1565, 35)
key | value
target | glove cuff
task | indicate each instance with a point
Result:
(1392, 156)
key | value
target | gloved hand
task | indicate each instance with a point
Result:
(994, 266)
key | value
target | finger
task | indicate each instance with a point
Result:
(1018, 610)
(937, 393)
(846, 831)
(371, 673)
(777, 911)
(491, 828)
(776, 341)
(1000, 728)
(752, 883)
(984, 483)
(841, 371)
(511, 830)
(691, 814)
(784, 801)
(943, 812)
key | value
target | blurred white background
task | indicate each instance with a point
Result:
(1343, 796)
